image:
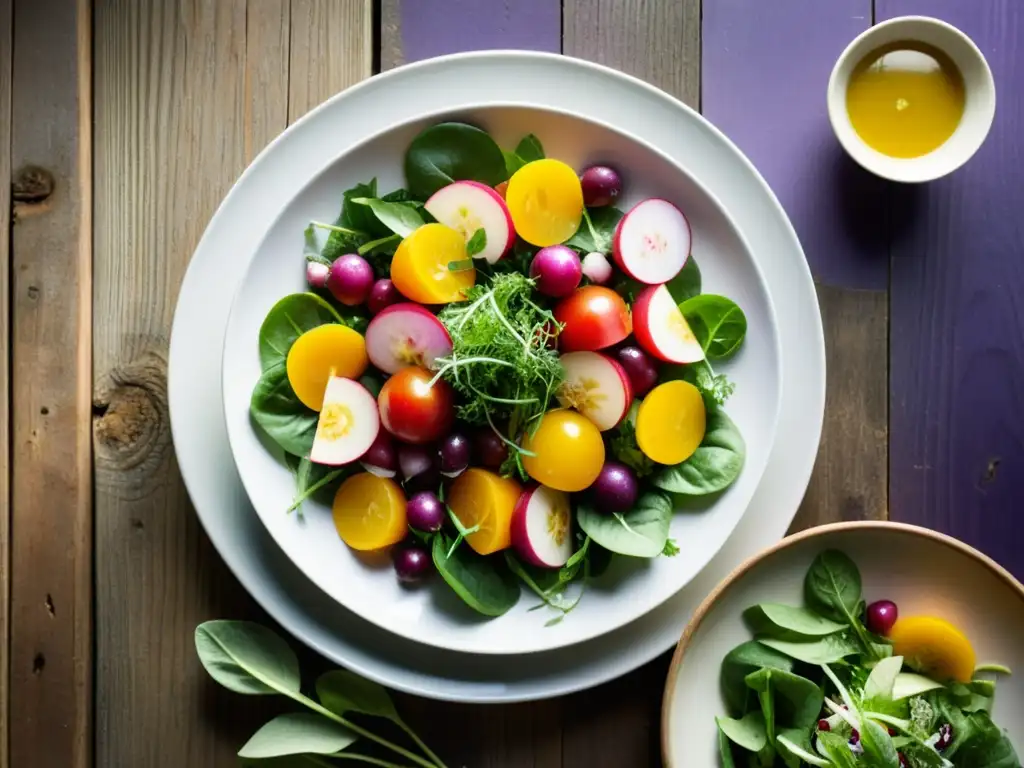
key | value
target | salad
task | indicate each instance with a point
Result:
(498, 375)
(838, 683)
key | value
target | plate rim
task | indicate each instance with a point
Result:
(737, 574)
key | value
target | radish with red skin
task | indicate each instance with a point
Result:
(660, 328)
(652, 241)
(467, 206)
(542, 527)
(597, 386)
(348, 424)
(406, 334)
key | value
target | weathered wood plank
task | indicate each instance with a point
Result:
(51, 529)
(765, 71)
(186, 93)
(957, 343)
(6, 50)
(412, 30)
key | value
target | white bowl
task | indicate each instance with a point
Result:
(924, 572)
(979, 104)
(434, 615)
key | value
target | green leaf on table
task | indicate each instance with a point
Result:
(288, 319)
(341, 692)
(823, 650)
(529, 148)
(640, 532)
(297, 733)
(597, 230)
(246, 657)
(449, 152)
(276, 409)
(476, 243)
(741, 661)
(485, 584)
(715, 464)
(400, 218)
(748, 732)
(718, 323)
(781, 620)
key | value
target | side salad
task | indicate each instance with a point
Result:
(840, 683)
(499, 375)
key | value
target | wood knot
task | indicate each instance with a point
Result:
(32, 184)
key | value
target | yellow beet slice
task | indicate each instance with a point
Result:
(320, 353)
(934, 647)
(483, 498)
(369, 512)
(568, 451)
(420, 270)
(545, 200)
(671, 422)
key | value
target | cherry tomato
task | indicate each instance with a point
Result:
(414, 410)
(569, 451)
(593, 317)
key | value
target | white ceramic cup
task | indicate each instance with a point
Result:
(979, 99)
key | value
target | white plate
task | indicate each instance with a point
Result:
(923, 572)
(433, 614)
(196, 348)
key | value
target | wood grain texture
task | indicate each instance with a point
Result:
(6, 51)
(656, 41)
(957, 343)
(51, 530)
(838, 210)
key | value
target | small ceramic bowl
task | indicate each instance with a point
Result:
(924, 572)
(979, 91)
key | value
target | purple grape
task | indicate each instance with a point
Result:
(615, 489)
(380, 458)
(350, 279)
(454, 454)
(490, 451)
(383, 294)
(880, 616)
(642, 372)
(412, 562)
(425, 512)
(601, 185)
(557, 270)
(316, 274)
(419, 467)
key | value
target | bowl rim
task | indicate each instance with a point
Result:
(750, 563)
(457, 112)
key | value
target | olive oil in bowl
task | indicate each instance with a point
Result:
(905, 99)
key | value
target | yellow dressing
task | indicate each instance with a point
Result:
(905, 99)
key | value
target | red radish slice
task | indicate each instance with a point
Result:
(542, 527)
(348, 423)
(467, 206)
(406, 334)
(596, 386)
(652, 241)
(661, 329)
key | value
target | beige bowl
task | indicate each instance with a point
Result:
(921, 570)
(979, 92)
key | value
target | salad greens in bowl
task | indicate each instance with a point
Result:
(861, 645)
(498, 361)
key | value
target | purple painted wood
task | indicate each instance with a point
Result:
(957, 338)
(765, 69)
(436, 27)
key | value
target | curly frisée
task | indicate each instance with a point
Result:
(497, 375)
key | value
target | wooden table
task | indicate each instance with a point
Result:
(124, 122)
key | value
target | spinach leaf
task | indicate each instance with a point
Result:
(749, 731)
(882, 680)
(920, 755)
(246, 657)
(715, 464)
(878, 746)
(837, 749)
(316, 480)
(296, 733)
(782, 621)
(986, 746)
(513, 162)
(797, 700)
(341, 692)
(761, 683)
(288, 319)
(484, 584)
(911, 684)
(281, 414)
(717, 322)
(832, 586)
(355, 223)
(742, 660)
(824, 650)
(400, 218)
(529, 148)
(477, 242)
(725, 750)
(795, 748)
(448, 152)
(597, 230)
(686, 284)
(624, 447)
(640, 532)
